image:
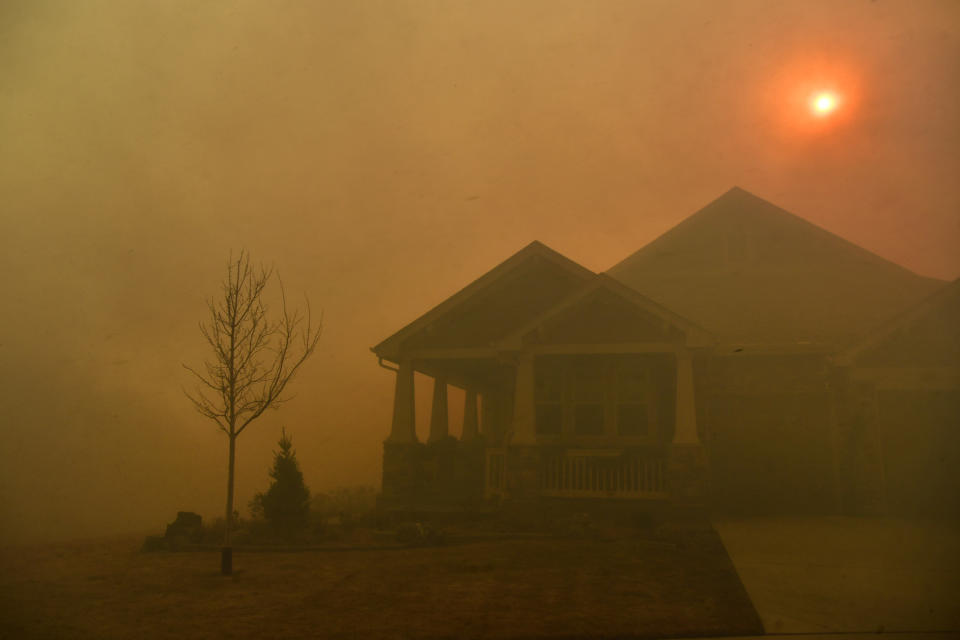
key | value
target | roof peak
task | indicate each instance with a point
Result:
(747, 269)
(742, 197)
(737, 212)
(389, 348)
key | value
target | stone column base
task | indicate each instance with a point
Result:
(402, 471)
(521, 472)
(687, 473)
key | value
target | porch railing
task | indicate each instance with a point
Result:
(598, 474)
(587, 473)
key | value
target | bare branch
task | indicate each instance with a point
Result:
(253, 358)
(206, 381)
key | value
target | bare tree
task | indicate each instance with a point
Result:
(253, 358)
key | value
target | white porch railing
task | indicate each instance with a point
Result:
(587, 473)
(602, 474)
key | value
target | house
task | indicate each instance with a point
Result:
(745, 359)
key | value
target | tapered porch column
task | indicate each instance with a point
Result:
(404, 428)
(438, 412)
(524, 409)
(488, 417)
(686, 463)
(471, 424)
(685, 432)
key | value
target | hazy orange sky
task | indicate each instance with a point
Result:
(383, 155)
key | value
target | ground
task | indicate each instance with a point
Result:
(574, 586)
(838, 574)
(831, 578)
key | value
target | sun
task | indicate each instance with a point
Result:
(814, 96)
(823, 103)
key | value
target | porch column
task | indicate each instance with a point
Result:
(470, 423)
(438, 412)
(685, 431)
(524, 408)
(686, 463)
(404, 429)
(488, 417)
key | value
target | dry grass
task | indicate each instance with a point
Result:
(552, 587)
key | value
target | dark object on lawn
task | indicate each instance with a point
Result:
(154, 543)
(188, 527)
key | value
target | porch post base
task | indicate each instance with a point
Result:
(402, 471)
(521, 469)
(687, 473)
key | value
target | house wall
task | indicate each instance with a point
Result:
(903, 402)
(920, 432)
(768, 431)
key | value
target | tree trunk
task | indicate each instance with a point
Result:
(226, 567)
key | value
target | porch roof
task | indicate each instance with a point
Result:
(651, 321)
(924, 334)
(538, 292)
(521, 287)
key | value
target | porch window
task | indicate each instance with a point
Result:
(549, 400)
(594, 396)
(632, 403)
(588, 393)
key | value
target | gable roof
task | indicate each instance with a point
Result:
(947, 299)
(753, 273)
(696, 335)
(568, 276)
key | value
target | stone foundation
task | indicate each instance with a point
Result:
(445, 473)
(687, 473)
(521, 469)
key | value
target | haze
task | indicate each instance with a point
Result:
(382, 156)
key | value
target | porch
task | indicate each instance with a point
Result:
(574, 387)
(612, 423)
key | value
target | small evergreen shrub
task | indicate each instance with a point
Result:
(286, 504)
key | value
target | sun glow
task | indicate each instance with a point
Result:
(823, 103)
(814, 98)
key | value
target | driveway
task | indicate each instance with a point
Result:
(839, 574)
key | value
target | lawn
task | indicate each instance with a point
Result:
(620, 585)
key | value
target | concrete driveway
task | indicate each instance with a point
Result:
(839, 574)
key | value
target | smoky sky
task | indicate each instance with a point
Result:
(382, 155)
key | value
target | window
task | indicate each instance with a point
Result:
(588, 388)
(632, 405)
(594, 396)
(548, 394)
